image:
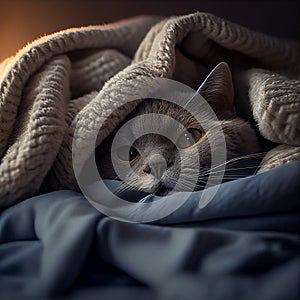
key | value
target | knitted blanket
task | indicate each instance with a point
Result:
(73, 79)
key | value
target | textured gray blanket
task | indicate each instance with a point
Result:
(73, 79)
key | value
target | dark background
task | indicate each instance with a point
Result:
(22, 21)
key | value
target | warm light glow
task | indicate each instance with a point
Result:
(24, 21)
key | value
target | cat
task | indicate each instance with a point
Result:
(158, 162)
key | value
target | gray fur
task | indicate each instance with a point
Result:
(159, 164)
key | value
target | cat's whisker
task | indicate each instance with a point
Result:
(247, 156)
(125, 186)
(233, 169)
(204, 172)
(121, 188)
(183, 184)
(228, 178)
(236, 159)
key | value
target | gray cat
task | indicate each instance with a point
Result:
(158, 162)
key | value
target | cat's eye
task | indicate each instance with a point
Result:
(190, 138)
(127, 153)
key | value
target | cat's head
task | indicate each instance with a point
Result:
(156, 161)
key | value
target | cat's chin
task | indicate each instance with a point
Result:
(163, 191)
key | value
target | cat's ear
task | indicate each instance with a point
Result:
(217, 89)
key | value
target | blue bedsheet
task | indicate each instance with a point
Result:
(243, 245)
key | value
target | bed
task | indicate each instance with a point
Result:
(244, 244)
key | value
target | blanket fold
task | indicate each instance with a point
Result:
(243, 245)
(73, 79)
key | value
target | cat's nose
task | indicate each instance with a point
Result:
(156, 166)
